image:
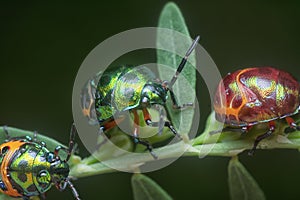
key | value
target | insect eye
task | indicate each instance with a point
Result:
(145, 100)
(42, 173)
(50, 157)
(43, 176)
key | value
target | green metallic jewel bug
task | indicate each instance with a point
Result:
(129, 89)
(29, 169)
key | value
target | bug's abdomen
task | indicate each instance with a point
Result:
(256, 95)
(22, 165)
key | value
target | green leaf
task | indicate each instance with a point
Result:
(184, 88)
(146, 189)
(14, 132)
(5, 197)
(241, 184)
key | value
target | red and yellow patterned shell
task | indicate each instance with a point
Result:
(254, 95)
(12, 146)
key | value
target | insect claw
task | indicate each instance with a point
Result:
(147, 145)
(179, 136)
(251, 152)
(153, 155)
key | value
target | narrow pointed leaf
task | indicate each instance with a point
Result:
(146, 189)
(183, 88)
(241, 184)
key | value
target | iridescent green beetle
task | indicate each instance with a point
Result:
(29, 169)
(129, 88)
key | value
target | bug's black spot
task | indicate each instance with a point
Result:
(31, 188)
(22, 178)
(4, 149)
(105, 80)
(43, 185)
(16, 186)
(23, 164)
(2, 186)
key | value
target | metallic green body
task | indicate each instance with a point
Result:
(123, 88)
(32, 169)
(25, 166)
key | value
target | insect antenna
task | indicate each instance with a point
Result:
(183, 62)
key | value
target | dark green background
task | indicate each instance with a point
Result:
(43, 44)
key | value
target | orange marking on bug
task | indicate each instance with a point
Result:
(229, 110)
(13, 146)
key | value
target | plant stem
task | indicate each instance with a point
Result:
(224, 147)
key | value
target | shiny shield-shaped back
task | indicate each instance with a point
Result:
(254, 95)
(120, 89)
(22, 166)
(128, 90)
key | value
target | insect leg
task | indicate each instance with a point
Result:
(68, 150)
(136, 134)
(73, 132)
(168, 124)
(292, 123)
(169, 85)
(109, 124)
(242, 130)
(263, 136)
(105, 138)
(175, 104)
(183, 62)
